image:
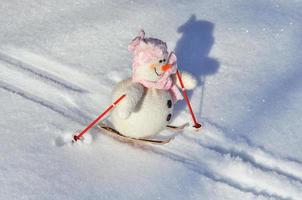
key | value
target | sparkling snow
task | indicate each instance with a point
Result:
(60, 59)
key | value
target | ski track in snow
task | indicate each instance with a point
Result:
(60, 74)
(42, 74)
(42, 85)
(255, 170)
(211, 154)
(255, 155)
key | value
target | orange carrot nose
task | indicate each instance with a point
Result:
(166, 67)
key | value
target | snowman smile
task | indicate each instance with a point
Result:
(157, 72)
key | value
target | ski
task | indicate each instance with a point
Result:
(177, 128)
(117, 135)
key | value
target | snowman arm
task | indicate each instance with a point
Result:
(188, 79)
(134, 93)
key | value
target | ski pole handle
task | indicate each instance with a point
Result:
(196, 124)
(76, 137)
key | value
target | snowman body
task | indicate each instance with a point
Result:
(150, 115)
(151, 91)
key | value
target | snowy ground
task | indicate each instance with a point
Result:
(60, 59)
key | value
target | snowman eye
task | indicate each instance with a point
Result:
(160, 61)
(164, 60)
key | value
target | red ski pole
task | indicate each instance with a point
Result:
(196, 124)
(76, 137)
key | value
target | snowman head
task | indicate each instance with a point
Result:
(151, 59)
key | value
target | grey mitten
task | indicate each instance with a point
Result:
(133, 95)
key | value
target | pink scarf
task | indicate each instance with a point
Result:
(164, 83)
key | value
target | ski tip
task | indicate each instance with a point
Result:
(130, 140)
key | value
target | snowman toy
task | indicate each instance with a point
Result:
(151, 92)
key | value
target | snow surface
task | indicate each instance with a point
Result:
(60, 59)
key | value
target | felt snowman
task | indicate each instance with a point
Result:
(151, 92)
